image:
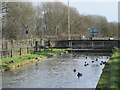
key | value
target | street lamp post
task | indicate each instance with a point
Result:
(69, 31)
(69, 38)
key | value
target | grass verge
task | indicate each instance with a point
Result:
(110, 76)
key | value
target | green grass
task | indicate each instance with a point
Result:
(19, 59)
(110, 76)
(32, 55)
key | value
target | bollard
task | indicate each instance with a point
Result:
(11, 53)
(20, 52)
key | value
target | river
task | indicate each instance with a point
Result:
(57, 72)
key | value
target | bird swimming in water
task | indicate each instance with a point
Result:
(79, 74)
(96, 59)
(101, 61)
(86, 57)
(104, 62)
(74, 55)
(85, 64)
(74, 70)
(92, 61)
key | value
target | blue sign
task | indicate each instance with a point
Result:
(94, 31)
(26, 32)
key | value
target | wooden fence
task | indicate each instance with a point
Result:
(15, 52)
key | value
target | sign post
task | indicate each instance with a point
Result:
(27, 32)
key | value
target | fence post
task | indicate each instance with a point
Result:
(20, 51)
(1, 54)
(11, 53)
(36, 46)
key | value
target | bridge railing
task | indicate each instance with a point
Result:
(87, 43)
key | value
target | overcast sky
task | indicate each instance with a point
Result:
(107, 9)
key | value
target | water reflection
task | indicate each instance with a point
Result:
(58, 72)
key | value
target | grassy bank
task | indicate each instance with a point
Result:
(110, 76)
(9, 62)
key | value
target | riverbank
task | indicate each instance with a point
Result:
(110, 76)
(17, 61)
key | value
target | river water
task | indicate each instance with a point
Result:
(57, 72)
